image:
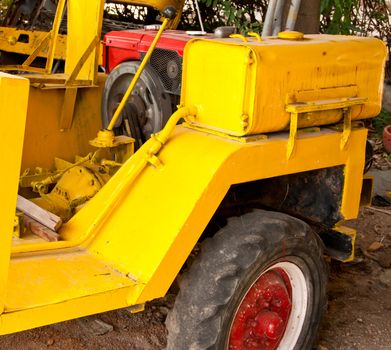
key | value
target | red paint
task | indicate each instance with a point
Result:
(126, 45)
(262, 316)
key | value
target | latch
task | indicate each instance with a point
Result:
(346, 104)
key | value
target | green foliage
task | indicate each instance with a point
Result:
(359, 17)
(336, 16)
(380, 122)
(246, 15)
(5, 2)
(4, 5)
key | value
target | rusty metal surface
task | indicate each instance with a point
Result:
(314, 196)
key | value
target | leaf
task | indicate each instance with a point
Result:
(373, 247)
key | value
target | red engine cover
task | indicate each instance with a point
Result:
(127, 45)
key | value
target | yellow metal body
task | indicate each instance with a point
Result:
(47, 42)
(127, 258)
(11, 41)
(128, 243)
(83, 38)
(13, 101)
(43, 123)
(271, 77)
(75, 188)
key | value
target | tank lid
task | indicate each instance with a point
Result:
(291, 35)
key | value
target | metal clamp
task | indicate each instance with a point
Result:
(345, 104)
(255, 35)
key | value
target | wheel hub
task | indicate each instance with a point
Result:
(137, 104)
(269, 324)
(138, 108)
(262, 316)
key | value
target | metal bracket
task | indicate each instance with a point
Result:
(72, 78)
(155, 161)
(345, 104)
(51, 39)
(242, 139)
(339, 242)
(292, 134)
(68, 108)
(347, 127)
(36, 51)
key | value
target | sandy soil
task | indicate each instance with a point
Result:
(359, 308)
(358, 317)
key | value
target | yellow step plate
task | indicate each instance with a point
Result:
(37, 281)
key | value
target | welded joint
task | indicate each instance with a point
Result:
(94, 45)
(347, 127)
(160, 138)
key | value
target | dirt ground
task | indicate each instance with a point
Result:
(359, 308)
(358, 317)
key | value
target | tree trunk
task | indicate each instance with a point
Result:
(309, 17)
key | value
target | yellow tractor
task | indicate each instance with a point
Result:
(237, 198)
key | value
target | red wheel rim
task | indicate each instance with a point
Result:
(262, 316)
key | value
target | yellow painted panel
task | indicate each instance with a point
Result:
(222, 74)
(354, 178)
(7, 35)
(37, 281)
(320, 67)
(44, 140)
(74, 308)
(13, 102)
(245, 165)
(154, 222)
(84, 24)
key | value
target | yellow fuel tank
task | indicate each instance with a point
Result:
(242, 86)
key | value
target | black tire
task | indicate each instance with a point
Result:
(147, 109)
(230, 263)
